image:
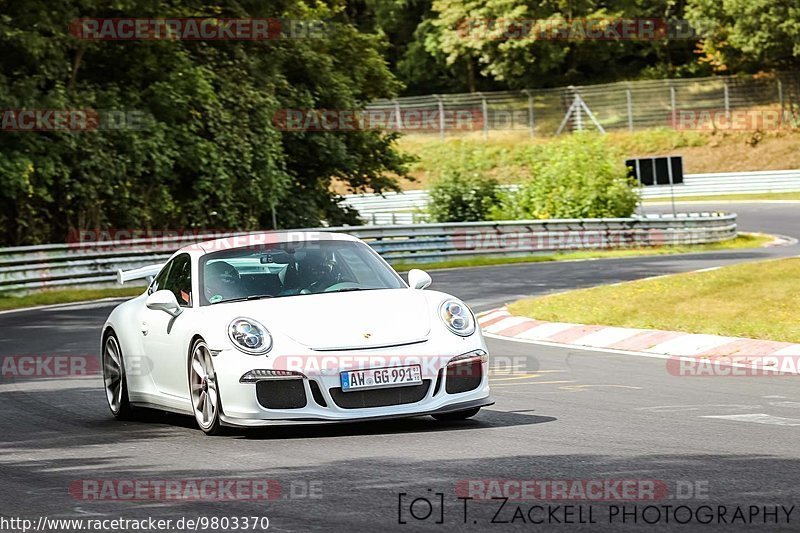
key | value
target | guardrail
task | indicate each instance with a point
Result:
(409, 207)
(30, 268)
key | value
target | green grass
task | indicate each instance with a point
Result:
(65, 296)
(507, 155)
(744, 240)
(754, 300)
(734, 197)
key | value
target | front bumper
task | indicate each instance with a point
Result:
(322, 401)
(451, 408)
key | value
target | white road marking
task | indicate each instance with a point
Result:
(545, 330)
(691, 344)
(579, 388)
(526, 383)
(90, 513)
(784, 404)
(697, 407)
(758, 418)
(506, 323)
(607, 336)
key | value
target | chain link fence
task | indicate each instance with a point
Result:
(769, 101)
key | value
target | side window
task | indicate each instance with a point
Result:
(179, 280)
(160, 279)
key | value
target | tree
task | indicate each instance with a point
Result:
(498, 40)
(209, 154)
(748, 34)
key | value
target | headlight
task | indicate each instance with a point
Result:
(249, 336)
(457, 318)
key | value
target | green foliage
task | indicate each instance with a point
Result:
(747, 34)
(577, 178)
(461, 195)
(476, 33)
(507, 157)
(209, 155)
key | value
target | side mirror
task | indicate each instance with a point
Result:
(163, 300)
(418, 279)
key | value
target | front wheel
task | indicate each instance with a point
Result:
(457, 415)
(203, 389)
(114, 378)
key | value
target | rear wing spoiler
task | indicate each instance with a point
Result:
(148, 271)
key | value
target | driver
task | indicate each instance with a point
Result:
(317, 272)
(222, 282)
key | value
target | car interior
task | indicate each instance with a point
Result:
(275, 273)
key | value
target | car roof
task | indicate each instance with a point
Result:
(271, 237)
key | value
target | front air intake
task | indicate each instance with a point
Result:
(463, 377)
(380, 397)
(281, 394)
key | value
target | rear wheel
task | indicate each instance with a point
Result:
(457, 415)
(203, 389)
(114, 379)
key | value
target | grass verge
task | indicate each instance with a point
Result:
(507, 155)
(744, 240)
(65, 296)
(734, 197)
(754, 300)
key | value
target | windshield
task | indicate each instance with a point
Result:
(291, 269)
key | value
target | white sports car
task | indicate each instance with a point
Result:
(291, 327)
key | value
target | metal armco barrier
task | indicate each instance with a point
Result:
(31, 268)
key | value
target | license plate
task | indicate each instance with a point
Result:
(375, 378)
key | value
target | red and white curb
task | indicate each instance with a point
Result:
(500, 323)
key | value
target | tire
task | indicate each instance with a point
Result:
(115, 380)
(203, 389)
(457, 415)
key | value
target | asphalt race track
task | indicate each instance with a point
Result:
(560, 415)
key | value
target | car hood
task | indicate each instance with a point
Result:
(343, 321)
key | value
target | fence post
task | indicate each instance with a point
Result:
(780, 101)
(531, 123)
(397, 118)
(485, 111)
(441, 115)
(672, 106)
(629, 98)
(727, 100)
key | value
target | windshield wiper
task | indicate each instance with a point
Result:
(246, 298)
(349, 289)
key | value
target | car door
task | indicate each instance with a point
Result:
(165, 335)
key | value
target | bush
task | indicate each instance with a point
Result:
(578, 177)
(462, 196)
